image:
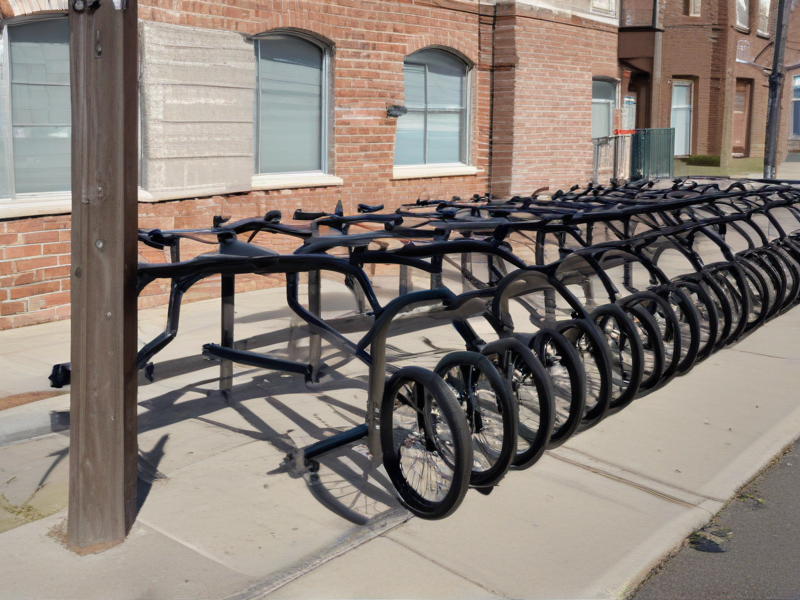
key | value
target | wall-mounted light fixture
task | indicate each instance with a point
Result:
(395, 110)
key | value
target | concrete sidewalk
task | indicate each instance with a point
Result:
(224, 518)
(788, 170)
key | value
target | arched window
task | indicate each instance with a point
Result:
(291, 114)
(36, 121)
(435, 128)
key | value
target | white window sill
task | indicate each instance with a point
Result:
(285, 181)
(33, 205)
(55, 203)
(430, 171)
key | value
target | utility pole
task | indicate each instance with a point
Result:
(776, 89)
(103, 447)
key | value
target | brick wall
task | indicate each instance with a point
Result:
(34, 271)
(548, 66)
(543, 99)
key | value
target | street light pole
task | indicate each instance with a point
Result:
(776, 89)
(103, 448)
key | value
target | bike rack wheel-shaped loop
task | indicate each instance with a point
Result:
(485, 398)
(595, 357)
(563, 366)
(425, 442)
(688, 323)
(707, 315)
(533, 396)
(627, 352)
(669, 329)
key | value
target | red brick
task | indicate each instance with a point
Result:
(58, 248)
(56, 272)
(35, 289)
(24, 226)
(57, 299)
(23, 251)
(33, 318)
(29, 264)
(39, 237)
(12, 308)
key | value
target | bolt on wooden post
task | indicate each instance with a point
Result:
(103, 447)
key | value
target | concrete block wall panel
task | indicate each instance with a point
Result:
(197, 111)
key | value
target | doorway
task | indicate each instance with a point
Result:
(682, 116)
(741, 118)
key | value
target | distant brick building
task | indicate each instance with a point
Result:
(699, 66)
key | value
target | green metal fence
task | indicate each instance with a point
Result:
(652, 154)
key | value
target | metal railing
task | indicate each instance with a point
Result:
(652, 154)
(611, 157)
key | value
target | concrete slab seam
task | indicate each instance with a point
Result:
(349, 541)
(192, 547)
(448, 569)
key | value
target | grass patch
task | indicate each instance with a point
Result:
(702, 160)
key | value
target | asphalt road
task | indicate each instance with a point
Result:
(750, 550)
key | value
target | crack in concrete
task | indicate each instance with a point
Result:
(639, 474)
(639, 486)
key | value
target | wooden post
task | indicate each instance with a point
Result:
(103, 448)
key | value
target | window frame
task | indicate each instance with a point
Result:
(694, 8)
(690, 83)
(25, 203)
(458, 168)
(745, 27)
(608, 12)
(761, 4)
(327, 121)
(795, 86)
(612, 104)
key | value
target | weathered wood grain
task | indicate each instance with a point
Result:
(103, 63)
